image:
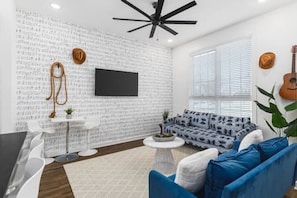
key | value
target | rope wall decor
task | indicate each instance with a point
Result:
(62, 78)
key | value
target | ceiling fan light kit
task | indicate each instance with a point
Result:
(157, 20)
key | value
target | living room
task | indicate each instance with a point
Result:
(164, 73)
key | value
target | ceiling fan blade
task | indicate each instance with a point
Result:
(168, 29)
(159, 9)
(123, 19)
(139, 27)
(175, 12)
(180, 22)
(153, 31)
(137, 9)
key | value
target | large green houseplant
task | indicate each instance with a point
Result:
(279, 123)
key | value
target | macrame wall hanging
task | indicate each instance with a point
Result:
(57, 72)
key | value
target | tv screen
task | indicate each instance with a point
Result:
(115, 83)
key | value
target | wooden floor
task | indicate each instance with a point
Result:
(54, 182)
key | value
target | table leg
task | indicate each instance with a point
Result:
(68, 156)
(163, 161)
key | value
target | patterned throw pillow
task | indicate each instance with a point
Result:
(181, 120)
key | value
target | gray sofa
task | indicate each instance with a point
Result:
(209, 130)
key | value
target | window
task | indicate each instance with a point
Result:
(221, 80)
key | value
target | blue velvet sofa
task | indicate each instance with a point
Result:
(272, 178)
(209, 130)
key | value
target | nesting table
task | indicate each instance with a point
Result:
(163, 161)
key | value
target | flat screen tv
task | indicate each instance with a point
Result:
(115, 83)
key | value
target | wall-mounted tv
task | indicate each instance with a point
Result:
(115, 83)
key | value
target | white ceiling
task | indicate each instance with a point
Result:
(211, 15)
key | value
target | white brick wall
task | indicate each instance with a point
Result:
(42, 41)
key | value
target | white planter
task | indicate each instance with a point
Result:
(68, 116)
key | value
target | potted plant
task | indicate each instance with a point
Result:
(279, 123)
(69, 113)
(165, 114)
(162, 137)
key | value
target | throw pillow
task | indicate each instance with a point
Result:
(191, 171)
(181, 120)
(220, 173)
(253, 137)
(272, 146)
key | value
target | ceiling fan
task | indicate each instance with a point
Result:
(157, 20)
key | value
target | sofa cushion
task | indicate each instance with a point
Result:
(191, 171)
(272, 146)
(181, 120)
(228, 128)
(198, 119)
(220, 173)
(238, 121)
(253, 137)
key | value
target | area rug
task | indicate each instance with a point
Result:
(123, 174)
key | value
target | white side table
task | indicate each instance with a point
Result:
(163, 161)
(68, 156)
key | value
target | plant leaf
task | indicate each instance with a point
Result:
(291, 107)
(278, 121)
(263, 107)
(274, 108)
(291, 131)
(269, 95)
(269, 125)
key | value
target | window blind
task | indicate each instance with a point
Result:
(222, 80)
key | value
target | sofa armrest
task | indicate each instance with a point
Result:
(271, 178)
(161, 186)
(243, 132)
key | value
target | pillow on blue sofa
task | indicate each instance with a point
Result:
(181, 120)
(254, 137)
(191, 171)
(220, 173)
(272, 146)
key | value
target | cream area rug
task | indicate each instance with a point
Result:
(123, 174)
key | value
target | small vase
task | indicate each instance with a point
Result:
(68, 116)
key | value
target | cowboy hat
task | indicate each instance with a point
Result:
(79, 56)
(266, 60)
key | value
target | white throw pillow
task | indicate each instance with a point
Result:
(191, 171)
(253, 137)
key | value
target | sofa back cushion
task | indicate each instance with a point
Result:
(199, 119)
(182, 120)
(191, 171)
(228, 125)
(223, 171)
(272, 146)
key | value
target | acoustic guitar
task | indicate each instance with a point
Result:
(289, 88)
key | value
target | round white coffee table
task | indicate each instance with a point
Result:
(163, 161)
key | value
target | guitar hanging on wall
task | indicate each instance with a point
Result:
(289, 88)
